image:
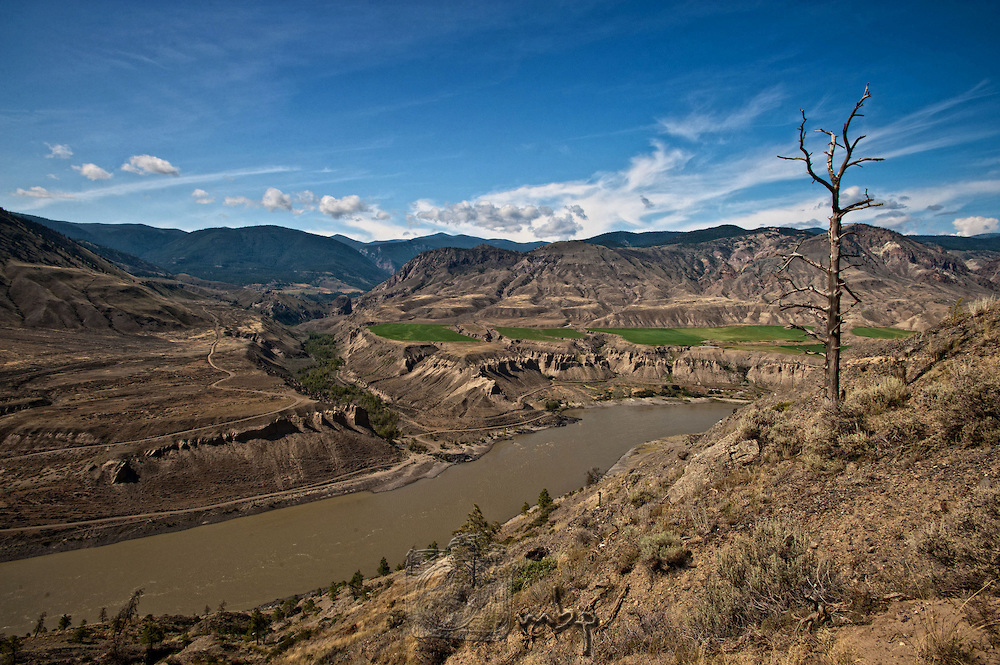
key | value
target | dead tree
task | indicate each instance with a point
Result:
(826, 301)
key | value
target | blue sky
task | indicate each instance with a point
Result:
(523, 120)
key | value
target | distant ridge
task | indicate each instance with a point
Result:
(658, 238)
(392, 254)
(50, 281)
(262, 254)
(721, 276)
(248, 255)
(989, 242)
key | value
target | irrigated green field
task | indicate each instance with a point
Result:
(696, 336)
(882, 333)
(540, 334)
(418, 332)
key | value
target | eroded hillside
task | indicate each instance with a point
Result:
(723, 281)
(131, 406)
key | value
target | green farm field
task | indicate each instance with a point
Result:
(540, 334)
(882, 333)
(418, 332)
(696, 336)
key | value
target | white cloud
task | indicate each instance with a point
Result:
(275, 199)
(540, 221)
(92, 172)
(37, 192)
(147, 164)
(202, 197)
(971, 226)
(59, 150)
(337, 208)
(235, 201)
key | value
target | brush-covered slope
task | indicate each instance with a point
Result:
(50, 281)
(725, 280)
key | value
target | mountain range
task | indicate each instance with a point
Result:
(724, 274)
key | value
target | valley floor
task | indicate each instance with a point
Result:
(786, 534)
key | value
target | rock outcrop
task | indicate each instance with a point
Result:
(730, 451)
(712, 367)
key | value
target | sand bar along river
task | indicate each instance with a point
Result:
(252, 560)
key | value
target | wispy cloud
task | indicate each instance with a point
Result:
(38, 192)
(59, 150)
(942, 124)
(696, 124)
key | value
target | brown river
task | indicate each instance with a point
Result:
(253, 560)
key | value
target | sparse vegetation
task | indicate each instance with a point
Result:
(323, 381)
(532, 572)
(964, 544)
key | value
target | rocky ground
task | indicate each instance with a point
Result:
(786, 534)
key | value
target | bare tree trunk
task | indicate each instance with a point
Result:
(833, 319)
(831, 296)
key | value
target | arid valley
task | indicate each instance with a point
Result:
(149, 402)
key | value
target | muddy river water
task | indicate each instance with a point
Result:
(252, 560)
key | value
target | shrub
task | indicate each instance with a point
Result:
(760, 575)
(885, 394)
(967, 408)
(663, 551)
(641, 497)
(626, 552)
(531, 573)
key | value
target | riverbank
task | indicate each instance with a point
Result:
(256, 558)
(40, 540)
